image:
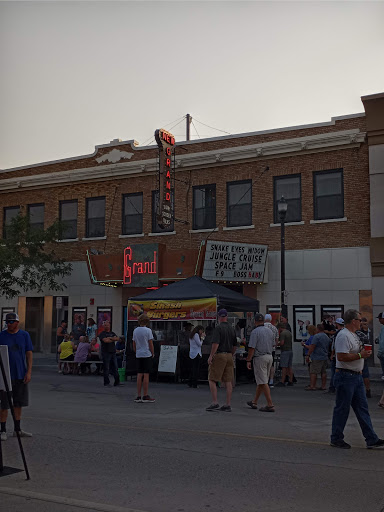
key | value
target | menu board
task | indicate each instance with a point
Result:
(168, 359)
(5, 358)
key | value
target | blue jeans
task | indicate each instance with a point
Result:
(333, 368)
(110, 367)
(350, 391)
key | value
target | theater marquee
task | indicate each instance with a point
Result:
(228, 261)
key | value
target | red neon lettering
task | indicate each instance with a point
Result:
(168, 185)
(164, 135)
(168, 151)
(148, 267)
(172, 140)
(168, 175)
(168, 162)
(167, 196)
(168, 139)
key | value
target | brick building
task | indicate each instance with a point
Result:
(226, 189)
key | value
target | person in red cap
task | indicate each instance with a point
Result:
(20, 362)
(220, 361)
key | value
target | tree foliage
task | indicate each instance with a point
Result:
(29, 258)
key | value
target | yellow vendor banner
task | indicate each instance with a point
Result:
(196, 309)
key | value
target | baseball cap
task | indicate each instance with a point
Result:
(11, 317)
(380, 315)
(268, 317)
(259, 317)
(223, 312)
(339, 321)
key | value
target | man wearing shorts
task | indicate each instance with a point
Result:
(260, 351)
(143, 346)
(220, 361)
(20, 363)
(286, 356)
(318, 353)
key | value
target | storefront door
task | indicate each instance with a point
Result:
(34, 320)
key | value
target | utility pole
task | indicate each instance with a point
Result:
(189, 121)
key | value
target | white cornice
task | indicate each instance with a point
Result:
(310, 144)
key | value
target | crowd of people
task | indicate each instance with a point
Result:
(347, 343)
(82, 347)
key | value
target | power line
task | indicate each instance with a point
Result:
(196, 129)
(151, 139)
(212, 128)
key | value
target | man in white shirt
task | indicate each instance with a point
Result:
(349, 384)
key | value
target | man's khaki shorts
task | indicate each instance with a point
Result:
(221, 369)
(317, 367)
(262, 367)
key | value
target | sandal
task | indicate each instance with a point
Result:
(267, 408)
(252, 405)
(381, 405)
(308, 388)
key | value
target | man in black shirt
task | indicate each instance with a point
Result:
(220, 361)
(108, 354)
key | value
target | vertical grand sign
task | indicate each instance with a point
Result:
(165, 142)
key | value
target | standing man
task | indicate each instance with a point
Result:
(286, 356)
(275, 332)
(284, 321)
(329, 328)
(260, 350)
(20, 362)
(143, 347)
(318, 353)
(61, 330)
(220, 361)
(339, 326)
(365, 339)
(78, 328)
(350, 386)
(380, 353)
(108, 353)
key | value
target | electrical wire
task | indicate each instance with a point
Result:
(196, 129)
(212, 128)
(178, 121)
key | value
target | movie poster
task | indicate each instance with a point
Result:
(103, 315)
(302, 317)
(79, 322)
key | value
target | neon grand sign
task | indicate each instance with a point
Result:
(141, 265)
(165, 142)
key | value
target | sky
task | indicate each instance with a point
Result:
(78, 74)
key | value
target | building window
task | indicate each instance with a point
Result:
(36, 216)
(155, 226)
(239, 203)
(68, 215)
(288, 187)
(132, 214)
(10, 213)
(328, 194)
(95, 217)
(204, 207)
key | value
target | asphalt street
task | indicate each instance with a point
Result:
(93, 448)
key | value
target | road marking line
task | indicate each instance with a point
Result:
(183, 431)
(100, 507)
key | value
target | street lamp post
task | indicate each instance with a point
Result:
(282, 210)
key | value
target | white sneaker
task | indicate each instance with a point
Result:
(3, 436)
(382, 377)
(22, 433)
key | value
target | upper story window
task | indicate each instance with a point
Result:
(328, 194)
(36, 216)
(239, 203)
(288, 187)
(132, 222)
(155, 226)
(10, 213)
(95, 227)
(204, 207)
(68, 215)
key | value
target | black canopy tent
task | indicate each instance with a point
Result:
(198, 288)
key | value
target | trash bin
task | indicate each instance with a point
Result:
(122, 375)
